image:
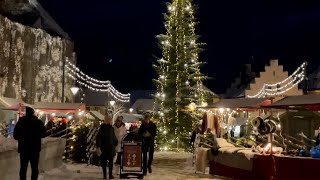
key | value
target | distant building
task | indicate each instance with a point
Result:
(141, 94)
(314, 81)
(145, 105)
(273, 73)
(33, 49)
(241, 83)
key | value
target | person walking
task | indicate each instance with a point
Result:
(120, 131)
(28, 131)
(106, 142)
(148, 132)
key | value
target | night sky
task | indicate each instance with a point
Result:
(236, 32)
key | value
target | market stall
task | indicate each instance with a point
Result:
(269, 162)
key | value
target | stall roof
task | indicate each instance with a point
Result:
(240, 103)
(12, 103)
(311, 102)
(97, 115)
(53, 106)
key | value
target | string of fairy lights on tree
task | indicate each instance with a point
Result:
(283, 86)
(179, 72)
(93, 84)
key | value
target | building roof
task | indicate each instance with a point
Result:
(311, 102)
(61, 107)
(12, 103)
(141, 94)
(314, 80)
(97, 115)
(145, 105)
(240, 103)
(207, 90)
(241, 83)
(31, 13)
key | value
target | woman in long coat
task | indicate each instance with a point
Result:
(120, 131)
(106, 143)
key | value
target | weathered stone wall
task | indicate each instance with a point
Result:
(31, 63)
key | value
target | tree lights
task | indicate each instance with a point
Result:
(179, 72)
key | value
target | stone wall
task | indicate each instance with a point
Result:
(31, 63)
(52, 150)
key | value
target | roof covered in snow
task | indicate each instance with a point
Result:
(240, 103)
(97, 115)
(53, 106)
(31, 13)
(145, 105)
(311, 102)
(10, 102)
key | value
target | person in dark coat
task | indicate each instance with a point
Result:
(148, 132)
(193, 136)
(28, 131)
(106, 144)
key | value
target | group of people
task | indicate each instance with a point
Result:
(56, 128)
(29, 131)
(109, 139)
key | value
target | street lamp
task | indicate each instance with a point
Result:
(112, 103)
(131, 110)
(74, 91)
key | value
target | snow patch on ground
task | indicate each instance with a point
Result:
(7, 144)
(167, 165)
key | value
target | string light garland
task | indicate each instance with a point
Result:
(283, 86)
(93, 84)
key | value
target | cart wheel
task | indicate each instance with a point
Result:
(140, 177)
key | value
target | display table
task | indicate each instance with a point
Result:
(50, 157)
(275, 167)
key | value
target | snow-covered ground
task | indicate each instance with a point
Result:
(167, 165)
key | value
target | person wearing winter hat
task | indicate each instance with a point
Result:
(106, 142)
(120, 131)
(28, 131)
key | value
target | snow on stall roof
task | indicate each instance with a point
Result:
(97, 115)
(57, 106)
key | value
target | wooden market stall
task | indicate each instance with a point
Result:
(231, 161)
(283, 166)
(242, 163)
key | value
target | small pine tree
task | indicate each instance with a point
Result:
(180, 81)
(79, 151)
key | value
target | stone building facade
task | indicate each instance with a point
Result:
(273, 73)
(32, 63)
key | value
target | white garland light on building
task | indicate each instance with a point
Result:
(93, 84)
(284, 86)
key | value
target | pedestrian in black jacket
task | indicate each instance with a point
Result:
(106, 143)
(29, 131)
(148, 132)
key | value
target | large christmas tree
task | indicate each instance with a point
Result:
(179, 84)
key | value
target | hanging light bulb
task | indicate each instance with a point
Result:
(187, 82)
